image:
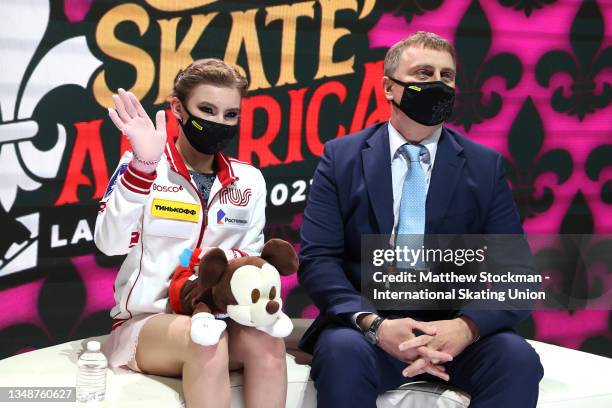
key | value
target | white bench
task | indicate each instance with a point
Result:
(571, 379)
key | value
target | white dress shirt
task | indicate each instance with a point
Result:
(399, 169)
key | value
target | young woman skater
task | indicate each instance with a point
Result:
(172, 193)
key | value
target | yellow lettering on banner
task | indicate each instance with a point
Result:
(243, 31)
(288, 14)
(175, 210)
(330, 34)
(115, 48)
(173, 58)
(182, 5)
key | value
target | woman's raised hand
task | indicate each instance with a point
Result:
(148, 141)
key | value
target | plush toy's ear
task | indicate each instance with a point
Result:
(212, 267)
(281, 255)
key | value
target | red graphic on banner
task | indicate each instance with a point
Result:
(259, 146)
(87, 145)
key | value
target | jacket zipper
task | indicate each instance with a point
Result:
(204, 206)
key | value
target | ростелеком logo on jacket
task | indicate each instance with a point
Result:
(233, 217)
(220, 215)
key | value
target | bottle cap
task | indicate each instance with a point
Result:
(93, 345)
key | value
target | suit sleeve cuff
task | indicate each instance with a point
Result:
(482, 321)
(355, 316)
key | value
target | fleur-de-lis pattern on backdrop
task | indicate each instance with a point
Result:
(591, 88)
(24, 166)
(526, 6)
(574, 264)
(572, 287)
(533, 83)
(599, 160)
(475, 65)
(410, 8)
(528, 162)
(71, 303)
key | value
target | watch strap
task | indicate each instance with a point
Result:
(376, 324)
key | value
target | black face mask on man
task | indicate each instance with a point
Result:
(427, 103)
(206, 136)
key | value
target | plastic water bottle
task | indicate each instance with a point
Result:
(91, 379)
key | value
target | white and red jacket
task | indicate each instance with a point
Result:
(153, 218)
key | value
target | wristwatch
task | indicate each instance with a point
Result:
(371, 334)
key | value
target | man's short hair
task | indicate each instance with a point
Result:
(419, 39)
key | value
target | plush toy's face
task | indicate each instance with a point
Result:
(248, 288)
(257, 293)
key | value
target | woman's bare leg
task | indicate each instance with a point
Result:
(265, 367)
(165, 348)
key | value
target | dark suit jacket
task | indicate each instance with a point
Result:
(351, 195)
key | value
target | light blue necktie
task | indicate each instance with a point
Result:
(412, 203)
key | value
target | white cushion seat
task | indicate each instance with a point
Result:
(572, 379)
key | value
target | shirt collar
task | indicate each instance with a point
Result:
(396, 140)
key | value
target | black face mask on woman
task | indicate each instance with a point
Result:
(206, 136)
(428, 103)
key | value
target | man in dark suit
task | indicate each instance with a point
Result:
(410, 175)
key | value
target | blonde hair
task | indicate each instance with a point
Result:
(211, 71)
(419, 39)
